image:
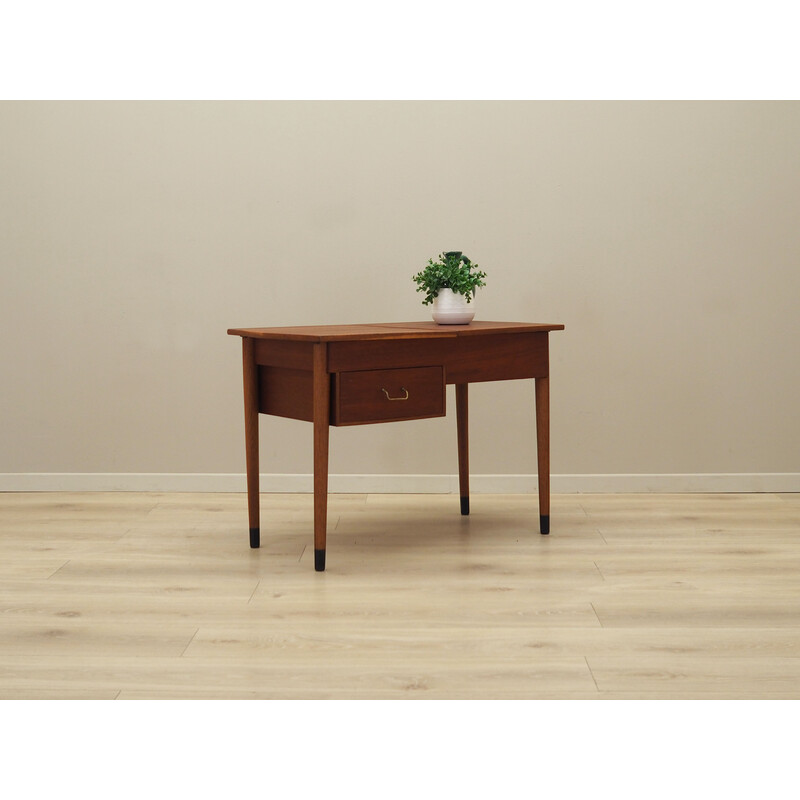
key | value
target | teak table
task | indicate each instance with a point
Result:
(358, 374)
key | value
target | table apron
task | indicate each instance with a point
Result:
(285, 379)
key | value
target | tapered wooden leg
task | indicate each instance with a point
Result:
(462, 426)
(322, 390)
(543, 450)
(251, 437)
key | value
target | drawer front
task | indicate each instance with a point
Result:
(387, 395)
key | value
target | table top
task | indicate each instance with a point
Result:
(390, 330)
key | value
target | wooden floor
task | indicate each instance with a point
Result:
(146, 595)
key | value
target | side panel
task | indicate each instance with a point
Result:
(286, 392)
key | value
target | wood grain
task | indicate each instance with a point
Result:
(391, 330)
(321, 417)
(462, 436)
(251, 403)
(151, 595)
(542, 394)
(285, 392)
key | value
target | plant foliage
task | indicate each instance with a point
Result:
(452, 270)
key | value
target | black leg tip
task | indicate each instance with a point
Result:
(544, 523)
(319, 560)
(255, 537)
(465, 505)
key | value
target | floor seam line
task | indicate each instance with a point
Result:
(588, 666)
(194, 635)
(58, 570)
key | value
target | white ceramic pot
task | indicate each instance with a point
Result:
(450, 308)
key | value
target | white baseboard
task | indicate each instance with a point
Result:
(398, 484)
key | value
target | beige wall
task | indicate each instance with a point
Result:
(665, 236)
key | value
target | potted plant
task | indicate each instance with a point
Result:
(449, 284)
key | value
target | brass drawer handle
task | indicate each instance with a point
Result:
(402, 389)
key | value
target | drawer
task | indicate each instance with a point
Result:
(388, 395)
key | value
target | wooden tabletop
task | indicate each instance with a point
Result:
(388, 330)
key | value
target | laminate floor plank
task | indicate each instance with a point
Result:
(77, 635)
(673, 674)
(467, 640)
(342, 675)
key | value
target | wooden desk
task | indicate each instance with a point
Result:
(359, 374)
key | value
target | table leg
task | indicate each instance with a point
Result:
(251, 437)
(543, 450)
(322, 391)
(462, 426)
